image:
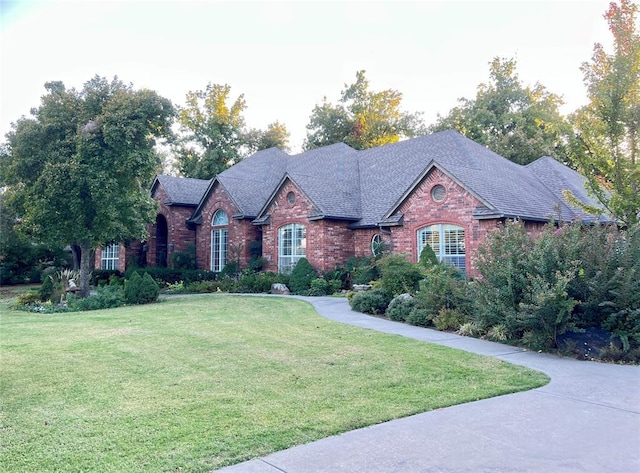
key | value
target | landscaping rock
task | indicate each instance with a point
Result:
(361, 287)
(279, 288)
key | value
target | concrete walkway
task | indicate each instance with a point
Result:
(586, 420)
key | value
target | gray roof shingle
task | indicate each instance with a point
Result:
(368, 186)
(182, 190)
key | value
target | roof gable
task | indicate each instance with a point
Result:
(181, 190)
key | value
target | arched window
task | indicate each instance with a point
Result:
(292, 245)
(446, 241)
(376, 245)
(219, 240)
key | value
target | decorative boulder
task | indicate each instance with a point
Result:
(279, 288)
(361, 287)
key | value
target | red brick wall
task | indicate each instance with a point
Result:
(241, 232)
(177, 231)
(329, 242)
(420, 210)
(122, 258)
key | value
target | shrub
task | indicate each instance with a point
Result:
(420, 316)
(185, 259)
(400, 307)
(231, 270)
(106, 297)
(29, 297)
(449, 319)
(141, 290)
(256, 282)
(357, 270)
(100, 277)
(301, 276)
(398, 275)
(428, 258)
(221, 285)
(319, 287)
(46, 289)
(444, 287)
(373, 302)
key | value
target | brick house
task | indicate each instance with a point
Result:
(332, 203)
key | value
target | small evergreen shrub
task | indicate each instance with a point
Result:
(29, 297)
(141, 290)
(185, 259)
(301, 276)
(428, 258)
(400, 307)
(253, 282)
(373, 302)
(46, 288)
(420, 315)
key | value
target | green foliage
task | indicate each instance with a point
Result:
(140, 290)
(185, 259)
(47, 288)
(373, 302)
(28, 297)
(106, 297)
(520, 123)
(214, 135)
(301, 276)
(449, 319)
(99, 142)
(443, 287)
(398, 275)
(363, 118)
(359, 270)
(606, 146)
(400, 307)
(251, 281)
(231, 270)
(566, 279)
(428, 257)
(323, 287)
(220, 285)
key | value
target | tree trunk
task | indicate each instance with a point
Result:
(85, 268)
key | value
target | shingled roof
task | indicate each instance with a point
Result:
(367, 187)
(181, 190)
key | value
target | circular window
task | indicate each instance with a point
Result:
(291, 198)
(376, 245)
(438, 192)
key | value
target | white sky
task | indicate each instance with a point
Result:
(286, 56)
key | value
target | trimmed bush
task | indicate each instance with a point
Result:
(373, 302)
(428, 258)
(400, 307)
(301, 276)
(141, 290)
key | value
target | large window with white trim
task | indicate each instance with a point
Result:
(109, 256)
(219, 240)
(446, 241)
(292, 245)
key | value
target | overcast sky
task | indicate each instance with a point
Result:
(286, 56)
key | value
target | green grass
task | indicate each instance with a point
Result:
(196, 383)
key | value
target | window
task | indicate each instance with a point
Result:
(291, 198)
(376, 245)
(292, 245)
(446, 241)
(438, 193)
(109, 257)
(219, 240)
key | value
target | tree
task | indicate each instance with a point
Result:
(214, 133)
(520, 123)
(362, 118)
(276, 135)
(79, 170)
(606, 143)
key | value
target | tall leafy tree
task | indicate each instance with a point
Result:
(275, 135)
(79, 169)
(520, 123)
(606, 144)
(213, 132)
(362, 119)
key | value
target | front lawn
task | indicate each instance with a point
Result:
(196, 383)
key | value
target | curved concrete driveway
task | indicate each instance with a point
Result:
(586, 420)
